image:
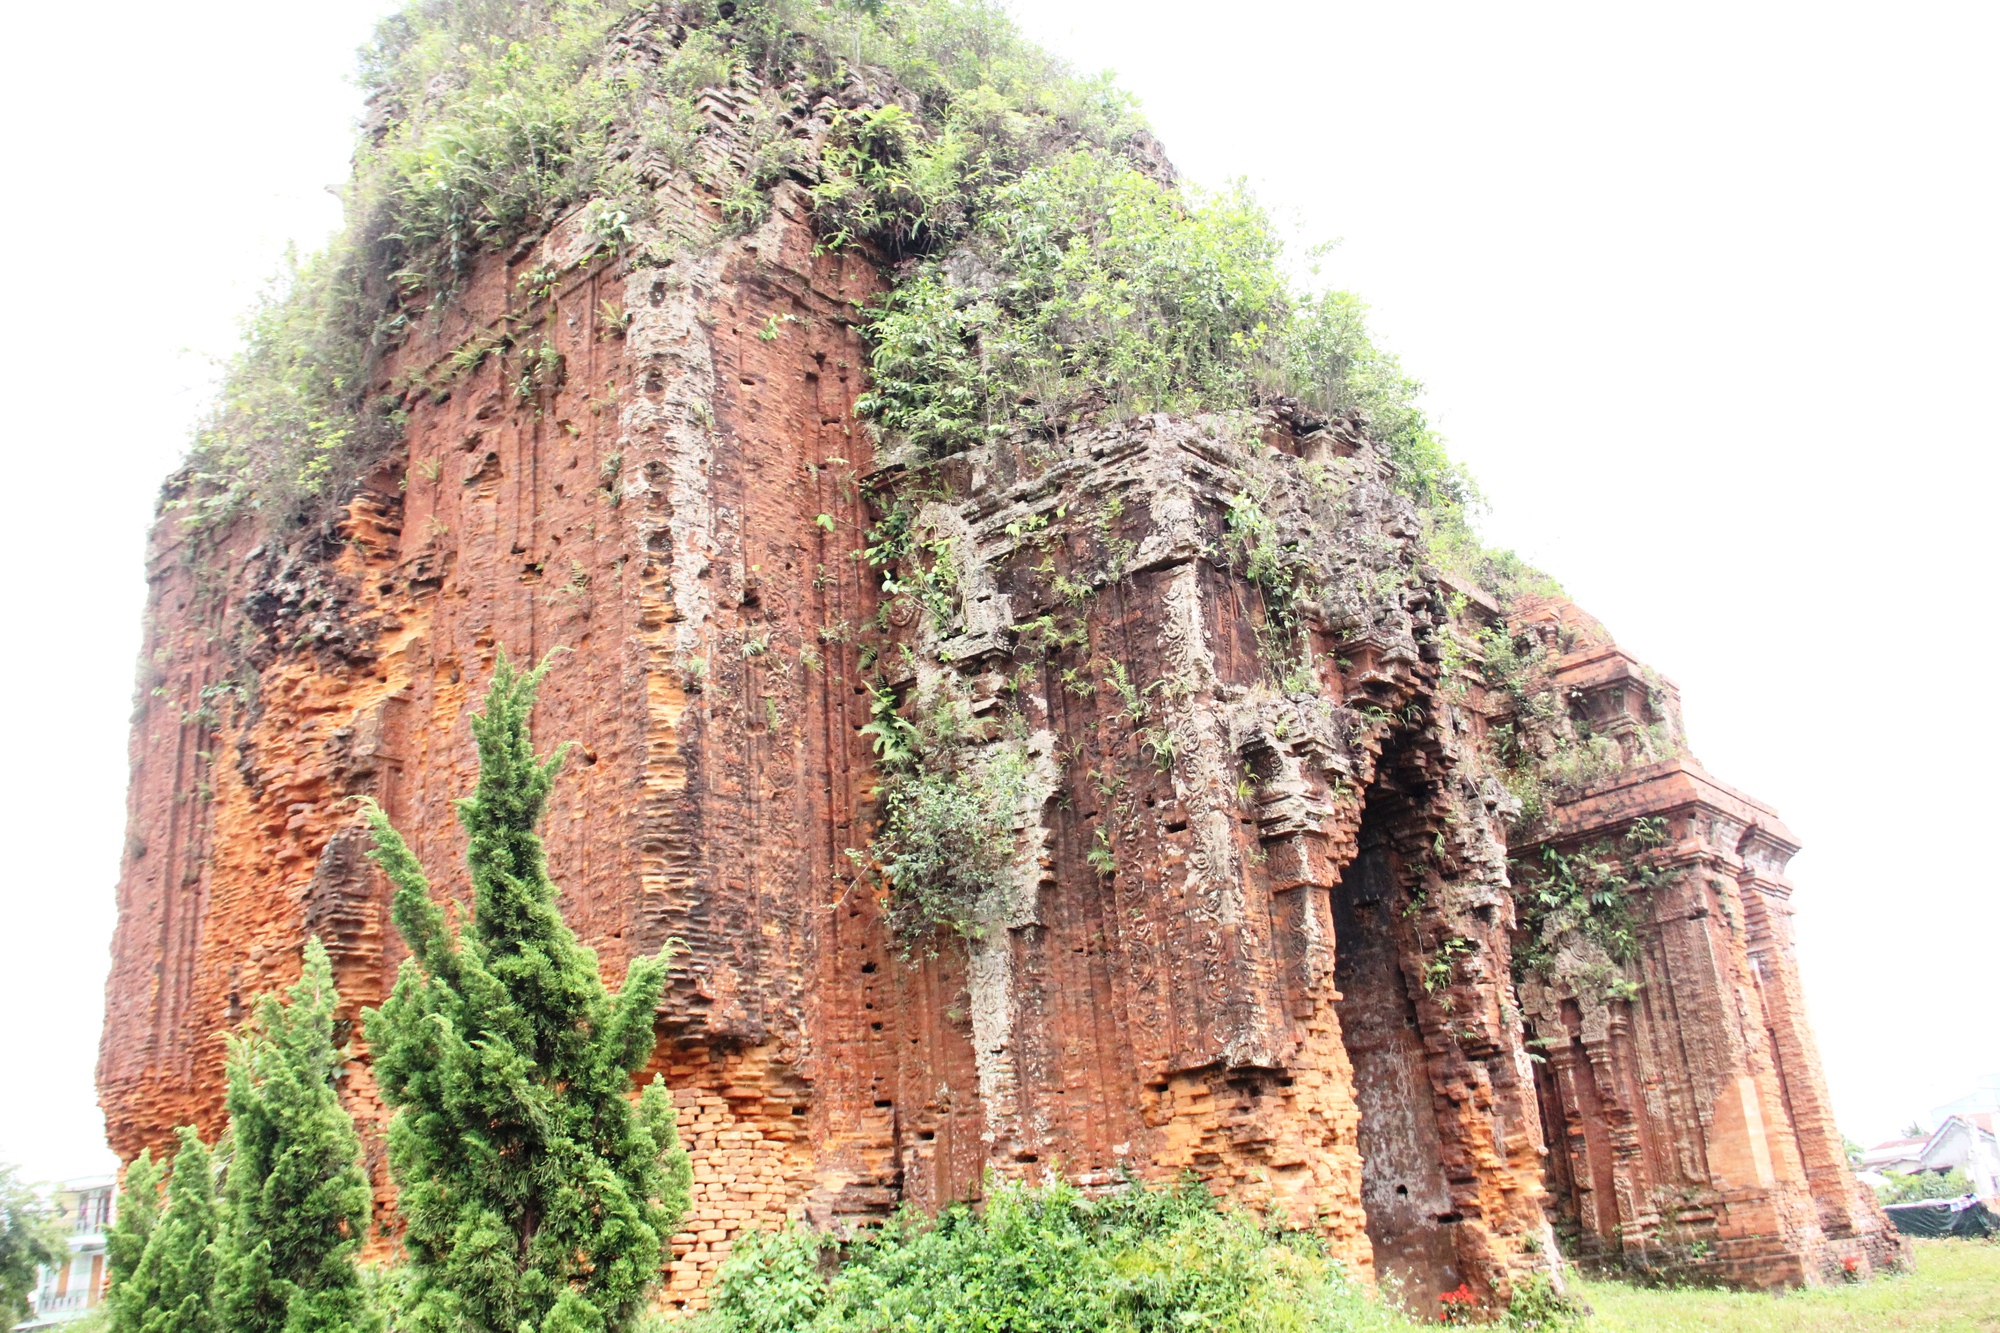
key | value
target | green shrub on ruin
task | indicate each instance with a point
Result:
(1549, 752)
(1585, 894)
(945, 846)
(491, 118)
(293, 424)
(1097, 284)
(1086, 285)
(536, 1194)
(296, 1201)
(1332, 365)
(498, 116)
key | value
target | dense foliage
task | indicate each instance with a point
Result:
(535, 1194)
(29, 1238)
(1333, 366)
(293, 425)
(295, 1200)
(1136, 1260)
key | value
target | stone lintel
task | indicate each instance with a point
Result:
(1667, 787)
(1595, 667)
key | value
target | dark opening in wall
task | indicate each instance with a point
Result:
(1410, 1222)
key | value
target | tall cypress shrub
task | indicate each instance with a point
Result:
(173, 1288)
(536, 1196)
(125, 1243)
(296, 1201)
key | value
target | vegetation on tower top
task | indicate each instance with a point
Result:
(1047, 268)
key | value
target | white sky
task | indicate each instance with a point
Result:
(1703, 294)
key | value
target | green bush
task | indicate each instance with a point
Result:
(1136, 1260)
(293, 420)
(1918, 1186)
(947, 843)
(499, 117)
(1332, 366)
(1538, 1306)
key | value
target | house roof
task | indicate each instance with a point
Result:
(1955, 1142)
(1968, 1124)
(1903, 1155)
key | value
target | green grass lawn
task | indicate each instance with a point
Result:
(1956, 1287)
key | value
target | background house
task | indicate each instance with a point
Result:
(72, 1288)
(1969, 1142)
(1900, 1156)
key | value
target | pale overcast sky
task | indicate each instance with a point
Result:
(1703, 295)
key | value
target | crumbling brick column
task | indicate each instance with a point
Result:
(1687, 1144)
(1849, 1215)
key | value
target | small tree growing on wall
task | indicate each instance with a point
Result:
(296, 1199)
(535, 1195)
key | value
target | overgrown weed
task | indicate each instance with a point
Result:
(1135, 1260)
